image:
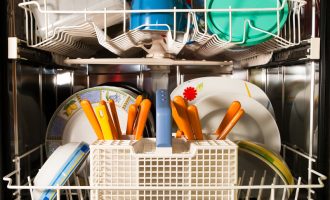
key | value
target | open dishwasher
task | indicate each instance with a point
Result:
(270, 56)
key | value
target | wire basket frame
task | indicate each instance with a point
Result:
(242, 189)
(204, 44)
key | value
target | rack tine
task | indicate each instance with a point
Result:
(284, 194)
(30, 184)
(86, 178)
(240, 182)
(297, 190)
(272, 190)
(68, 192)
(262, 183)
(58, 192)
(77, 183)
(250, 183)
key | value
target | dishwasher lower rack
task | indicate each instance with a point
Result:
(133, 170)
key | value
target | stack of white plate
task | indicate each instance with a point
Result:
(213, 96)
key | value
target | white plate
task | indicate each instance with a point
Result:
(257, 124)
(58, 168)
(195, 89)
(69, 123)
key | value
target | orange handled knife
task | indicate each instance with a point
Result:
(115, 117)
(181, 108)
(195, 122)
(111, 123)
(89, 112)
(142, 119)
(132, 112)
(231, 111)
(231, 124)
(103, 118)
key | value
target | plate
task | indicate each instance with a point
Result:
(58, 168)
(256, 125)
(267, 21)
(69, 123)
(252, 165)
(195, 89)
(270, 157)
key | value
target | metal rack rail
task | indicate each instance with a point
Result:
(242, 190)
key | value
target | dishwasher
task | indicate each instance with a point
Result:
(134, 99)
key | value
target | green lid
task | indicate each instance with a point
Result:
(218, 22)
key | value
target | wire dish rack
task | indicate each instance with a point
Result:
(83, 40)
(142, 176)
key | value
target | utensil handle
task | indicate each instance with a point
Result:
(132, 112)
(89, 112)
(178, 134)
(231, 112)
(138, 100)
(102, 116)
(181, 107)
(231, 124)
(142, 119)
(111, 123)
(195, 122)
(163, 120)
(115, 117)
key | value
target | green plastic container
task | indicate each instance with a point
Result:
(218, 22)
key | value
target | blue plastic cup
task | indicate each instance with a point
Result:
(138, 19)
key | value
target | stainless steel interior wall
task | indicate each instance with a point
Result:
(288, 88)
(39, 93)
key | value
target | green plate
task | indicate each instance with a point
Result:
(218, 22)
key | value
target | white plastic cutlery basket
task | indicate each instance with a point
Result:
(193, 170)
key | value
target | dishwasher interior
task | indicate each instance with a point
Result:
(43, 75)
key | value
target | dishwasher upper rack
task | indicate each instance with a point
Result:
(243, 191)
(165, 43)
